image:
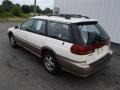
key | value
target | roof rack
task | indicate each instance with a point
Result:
(69, 16)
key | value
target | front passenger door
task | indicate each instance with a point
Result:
(22, 35)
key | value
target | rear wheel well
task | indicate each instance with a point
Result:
(46, 50)
(56, 64)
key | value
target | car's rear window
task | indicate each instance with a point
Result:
(91, 33)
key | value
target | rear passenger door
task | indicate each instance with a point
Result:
(37, 36)
(59, 38)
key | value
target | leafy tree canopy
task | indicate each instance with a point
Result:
(7, 5)
(47, 10)
(25, 9)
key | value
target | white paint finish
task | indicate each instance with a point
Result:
(21, 34)
(36, 39)
(106, 11)
(63, 49)
(59, 48)
(63, 20)
(98, 54)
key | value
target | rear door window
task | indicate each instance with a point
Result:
(39, 26)
(59, 31)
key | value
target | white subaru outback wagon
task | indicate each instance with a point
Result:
(73, 43)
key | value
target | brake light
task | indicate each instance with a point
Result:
(81, 50)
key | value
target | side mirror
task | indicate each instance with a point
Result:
(16, 27)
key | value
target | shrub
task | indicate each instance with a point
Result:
(16, 10)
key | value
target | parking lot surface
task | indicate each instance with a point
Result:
(21, 70)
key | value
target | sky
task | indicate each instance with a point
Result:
(42, 3)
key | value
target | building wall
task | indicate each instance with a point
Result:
(106, 11)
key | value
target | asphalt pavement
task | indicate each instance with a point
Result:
(21, 70)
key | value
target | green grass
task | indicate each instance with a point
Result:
(25, 15)
(5, 15)
(8, 17)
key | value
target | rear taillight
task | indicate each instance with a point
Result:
(81, 50)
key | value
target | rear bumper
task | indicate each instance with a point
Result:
(85, 69)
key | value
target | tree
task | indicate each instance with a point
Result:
(25, 9)
(16, 10)
(38, 9)
(47, 10)
(7, 5)
(31, 7)
(18, 5)
(1, 9)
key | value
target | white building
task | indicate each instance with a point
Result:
(106, 11)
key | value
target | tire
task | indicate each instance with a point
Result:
(50, 63)
(12, 41)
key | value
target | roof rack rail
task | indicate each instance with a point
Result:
(69, 16)
(73, 15)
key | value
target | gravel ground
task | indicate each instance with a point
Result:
(21, 70)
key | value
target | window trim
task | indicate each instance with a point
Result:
(70, 31)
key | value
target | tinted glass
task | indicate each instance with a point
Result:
(27, 25)
(39, 26)
(58, 30)
(92, 33)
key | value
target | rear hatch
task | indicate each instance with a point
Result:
(94, 38)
